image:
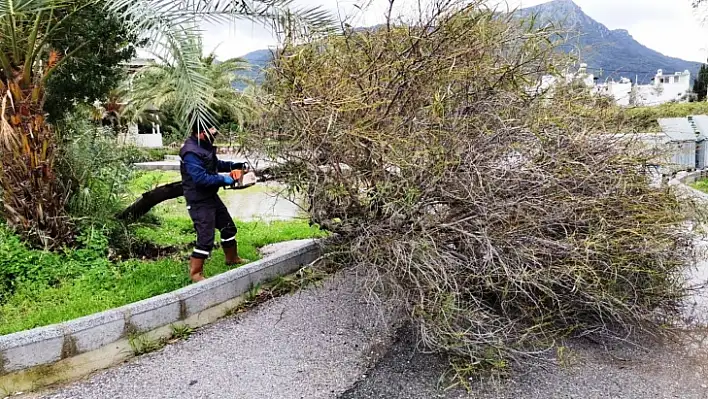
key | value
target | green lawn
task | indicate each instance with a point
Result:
(701, 185)
(59, 287)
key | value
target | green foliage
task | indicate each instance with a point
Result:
(502, 222)
(38, 288)
(21, 266)
(181, 331)
(701, 185)
(91, 168)
(142, 344)
(700, 84)
(95, 69)
(132, 154)
(159, 86)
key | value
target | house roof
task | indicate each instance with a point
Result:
(701, 124)
(680, 129)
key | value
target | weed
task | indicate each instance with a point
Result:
(253, 292)
(281, 285)
(181, 331)
(142, 344)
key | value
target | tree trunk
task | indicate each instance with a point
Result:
(32, 199)
(150, 199)
(154, 197)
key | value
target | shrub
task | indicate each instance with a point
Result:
(20, 265)
(132, 154)
(501, 222)
(92, 169)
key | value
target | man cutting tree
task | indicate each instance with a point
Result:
(201, 181)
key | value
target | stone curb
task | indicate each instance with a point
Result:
(22, 354)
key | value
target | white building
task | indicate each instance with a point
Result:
(621, 91)
(663, 89)
(546, 82)
(146, 134)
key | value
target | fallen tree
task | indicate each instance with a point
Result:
(160, 194)
(501, 220)
(150, 199)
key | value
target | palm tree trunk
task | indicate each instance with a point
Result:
(33, 200)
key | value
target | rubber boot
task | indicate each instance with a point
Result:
(232, 258)
(196, 269)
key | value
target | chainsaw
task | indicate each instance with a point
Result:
(243, 178)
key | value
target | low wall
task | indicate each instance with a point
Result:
(142, 140)
(148, 140)
(63, 352)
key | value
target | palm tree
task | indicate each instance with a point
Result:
(157, 87)
(32, 198)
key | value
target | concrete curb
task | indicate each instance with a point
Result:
(42, 356)
(683, 179)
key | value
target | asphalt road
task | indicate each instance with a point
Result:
(313, 344)
(327, 342)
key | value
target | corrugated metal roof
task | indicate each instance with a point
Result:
(701, 123)
(678, 129)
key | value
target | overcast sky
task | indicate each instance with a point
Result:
(668, 26)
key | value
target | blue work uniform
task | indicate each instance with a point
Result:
(201, 181)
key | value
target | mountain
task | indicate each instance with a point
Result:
(258, 59)
(610, 54)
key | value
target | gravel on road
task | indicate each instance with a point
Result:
(312, 344)
(586, 371)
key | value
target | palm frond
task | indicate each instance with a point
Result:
(173, 29)
(15, 8)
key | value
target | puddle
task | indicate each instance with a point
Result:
(264, 201)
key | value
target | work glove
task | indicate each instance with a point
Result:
(228, 180)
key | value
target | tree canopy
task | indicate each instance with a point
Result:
(700, 84)
(96, 68)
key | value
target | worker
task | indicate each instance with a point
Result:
(201, 181)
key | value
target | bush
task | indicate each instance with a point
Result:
(503, 223)
(92, 169)
(132, 154)
(23, 266)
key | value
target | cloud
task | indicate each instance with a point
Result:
(668, 26)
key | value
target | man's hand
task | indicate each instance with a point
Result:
(228, 180)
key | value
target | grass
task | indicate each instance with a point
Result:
(645, 119)
(701, 185)
(103, 285)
